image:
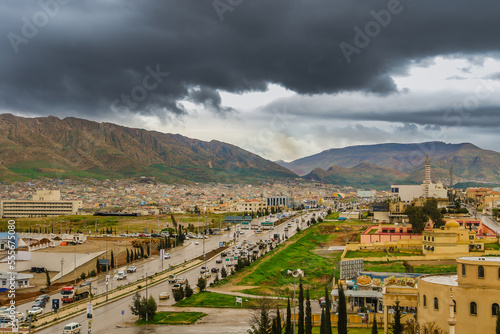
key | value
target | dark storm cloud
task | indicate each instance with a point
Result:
(83, 55)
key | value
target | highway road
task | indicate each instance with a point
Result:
(107, 317)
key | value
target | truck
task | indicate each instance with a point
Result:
(70, 293)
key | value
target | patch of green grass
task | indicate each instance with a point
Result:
(492, 246)
(333, 215)
(435, 269)
(368, 254)
(269, 274)
(174, 318)
(219, 300)
(393, 267)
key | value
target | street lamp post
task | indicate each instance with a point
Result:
(295, 274)
(62, 262)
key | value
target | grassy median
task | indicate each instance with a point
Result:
(174, 318)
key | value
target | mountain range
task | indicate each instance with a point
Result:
(382, 164)
(79, 148)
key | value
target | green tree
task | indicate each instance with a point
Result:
(278, 329)
(47, 278)
(417, 219)
(178, 294)
(342, 311)
(308, 321)
(496, 213)
(288, 325)
(188, 291)
(128, 256)
(150, 307)
(374, 326)
(300, 323)
(223, 272)
(112, 264)
(497, 328)
(202, 284)
(322, 329)
(136, 306)
(397, 326)
(431, 211)
(262, 321)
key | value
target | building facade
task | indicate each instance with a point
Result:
(280, 201)
(45, 203)
(475, 293)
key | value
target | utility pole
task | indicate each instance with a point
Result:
(62, 262)
(146, 294)
(107, 265)
(74, 258)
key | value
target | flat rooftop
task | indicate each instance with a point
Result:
(479, 258)
(450, 280)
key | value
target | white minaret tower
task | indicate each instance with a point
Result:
(427, 181)
(451, 320)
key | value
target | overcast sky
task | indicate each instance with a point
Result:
(281, 78)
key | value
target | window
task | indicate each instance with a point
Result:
(454, 306)
(436, 304)
(480, 272)
(463, 270)
(498, 273)
(425, 301)
(473, 308)
(494, 309)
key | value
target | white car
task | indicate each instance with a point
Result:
(72, 328)
(196, 242)
(35, 310)
(166, 256)
(242, 232)
(120, 276)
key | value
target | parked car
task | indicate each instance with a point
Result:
(223, 254)
(215, 270)
(163, 296)
(206, 274)
(131, 269)
(242, 232)
(155, 235)
(219, 260)
(84, 283)
(72, 328)
(181, 280)
(203, 269)
(35, 310)
(176, 286)
(166, 256)
(196, 242)
(172, 279)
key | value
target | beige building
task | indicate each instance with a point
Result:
(250, 205)
(45, 203)
(450, 239)
(474, 291)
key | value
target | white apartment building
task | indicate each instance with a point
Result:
(45, 203)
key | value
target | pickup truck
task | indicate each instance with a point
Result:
(172, 279)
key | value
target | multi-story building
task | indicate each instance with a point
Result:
(45, 203)
(250, 205)
(280, 201)
(473, 294)
(450, 239)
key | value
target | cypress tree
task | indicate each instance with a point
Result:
(288, 326)
(300, 324)
(112, 264)
(342, 310)
(128, 259)
(97, 266)
(497, 329)
(308, 321)
(278, 321)
(322, 329)
(374, 325)
(397, 327)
